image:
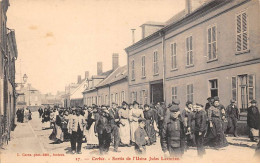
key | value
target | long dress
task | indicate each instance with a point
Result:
(92, 139)
(26, 115)
(124, 129)
(149, 125)
(216, 136)
(60, 120)
(134, 115)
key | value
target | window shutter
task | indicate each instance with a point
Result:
(239, 33)
(244, 26)
(251, 87)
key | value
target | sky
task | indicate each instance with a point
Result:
(58, 40)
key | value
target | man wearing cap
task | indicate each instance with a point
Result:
(208, 104)
(188, 115)
(253, 120)
(200, 128)
(160, 115)
(103, 130)
(149, 115)
(173, 133)
(76, 127)
(141, 137)
(134, 115)
(232, 116)
(113, 112)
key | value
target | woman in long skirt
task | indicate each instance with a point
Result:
(26, 115)
(149, 115)
(60, 122)
(134, 115)
(92, 139)
(124, 128)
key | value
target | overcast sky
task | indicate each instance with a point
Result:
(60, 39)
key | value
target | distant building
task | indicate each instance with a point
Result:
(29, 97)
(91, 94)
(210, 51)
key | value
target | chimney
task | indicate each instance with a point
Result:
(99, 68)
(188, 7)
(133, 36)
(115, 58)
(86, 74)
(79, 79)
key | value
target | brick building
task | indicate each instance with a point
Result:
(212, 50)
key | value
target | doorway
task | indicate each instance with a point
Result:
(157, 92)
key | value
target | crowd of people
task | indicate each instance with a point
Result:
(23, 115)
(140, 126)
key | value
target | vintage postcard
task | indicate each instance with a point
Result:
(129, 81)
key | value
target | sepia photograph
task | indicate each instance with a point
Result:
(130, 81)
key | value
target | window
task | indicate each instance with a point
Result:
(99, 100)
(155, 63)
(116, 98)
(133, 69)
(241, 32)
(251, 87)
(234, 88)
(143, 66)
(112, 98)
(106, 100)
(173, 56)
(189, 52)
(123, 96)
(212, 43)
(174, 93)
(134, 96)
(213, 87)
(190, 92)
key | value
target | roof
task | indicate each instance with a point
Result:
(119, 74)
(153, 23)
(77, 93)
(179, 18)
(176, 17)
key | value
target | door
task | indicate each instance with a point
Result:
(156, 93)
(243, 92)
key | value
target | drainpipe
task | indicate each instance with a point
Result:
(162, 34)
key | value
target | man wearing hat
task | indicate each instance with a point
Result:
(200, 128)
(76, 126)
(232, 116)
(141, 137)
(103, 130)
(113, 112)
(253, 120)
(173, 133)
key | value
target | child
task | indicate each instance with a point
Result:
(200, 128)
(140, 137)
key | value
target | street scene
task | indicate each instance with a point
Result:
(163, 81)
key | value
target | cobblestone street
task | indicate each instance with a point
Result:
(30, 143)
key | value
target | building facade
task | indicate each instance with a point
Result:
(8, 55)
(112, 86)
(207, 52)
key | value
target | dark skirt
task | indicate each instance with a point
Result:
(149, 128)
(215, 135)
